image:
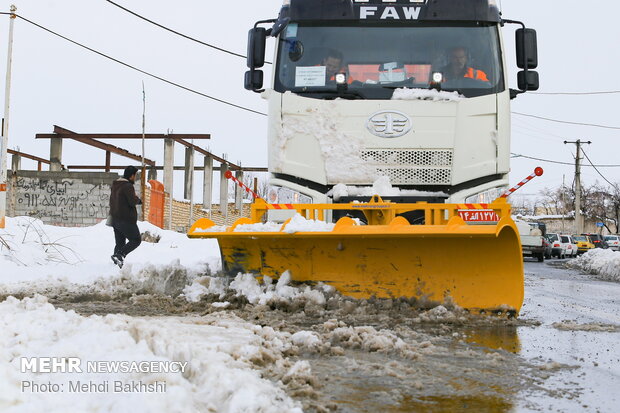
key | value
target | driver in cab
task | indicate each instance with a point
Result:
(333, 63)
(458, 67)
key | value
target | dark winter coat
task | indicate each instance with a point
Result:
(123, 201)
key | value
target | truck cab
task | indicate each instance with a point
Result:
(412, 91)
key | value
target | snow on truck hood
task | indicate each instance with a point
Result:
(425, 94)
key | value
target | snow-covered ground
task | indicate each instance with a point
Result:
(220, 348)
(271, 346)
(31, 252)
(218, 377)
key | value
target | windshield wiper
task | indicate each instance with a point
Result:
(334, 94)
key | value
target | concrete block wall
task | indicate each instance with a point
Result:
(79, 199)
(566, 226)
(181, 209)
(60, 198)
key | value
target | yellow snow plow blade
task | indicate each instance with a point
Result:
(478, 267)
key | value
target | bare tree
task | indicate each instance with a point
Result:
(558, 201)
(262, 186)
(602, 203)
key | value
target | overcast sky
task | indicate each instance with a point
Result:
(55, 82)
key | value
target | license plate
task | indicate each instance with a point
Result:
(478, 215)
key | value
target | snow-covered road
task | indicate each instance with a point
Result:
(580, 327)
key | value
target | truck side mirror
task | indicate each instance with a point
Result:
(527, 48)
(529, 82)
(253, 80)
(257, 40)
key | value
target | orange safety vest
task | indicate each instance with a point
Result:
(472, 73)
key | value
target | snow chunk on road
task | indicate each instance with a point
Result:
(603, 263)
(574, 326)
(425, 94)
(246, 285)
(306, 339)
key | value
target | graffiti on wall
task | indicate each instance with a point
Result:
(62, 201)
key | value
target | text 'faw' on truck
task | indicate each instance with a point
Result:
(364, 91)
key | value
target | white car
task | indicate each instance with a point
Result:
(568, 246)
(613, 241)
(557, 250)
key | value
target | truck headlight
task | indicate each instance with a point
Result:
(485, 197)
(280, 195)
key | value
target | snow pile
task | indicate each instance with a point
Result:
(301, 224)
(25, 242)
(214, 228)
(425, 94)
(247, 285)
(38, 258)
(603, 263)
(297, 224)
(334, 337)
(260, 227)
(205, 285)
(218, 375)
(382, 187)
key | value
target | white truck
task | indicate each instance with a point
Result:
(364, 89)
(532, 240)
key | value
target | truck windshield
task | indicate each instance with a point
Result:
(378, 59)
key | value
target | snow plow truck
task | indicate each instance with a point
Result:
(413, 91)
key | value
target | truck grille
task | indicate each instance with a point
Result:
(412, 167)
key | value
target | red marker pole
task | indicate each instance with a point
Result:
(229, 175)
(537, 172)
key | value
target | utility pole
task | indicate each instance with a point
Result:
(4, 140)
(143, 174)
(563, 203)
(579, 226)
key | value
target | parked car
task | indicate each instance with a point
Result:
(584, 243)
(598, 240)
(570, 249)
(556, 246)
(547, 247)
(613, 241)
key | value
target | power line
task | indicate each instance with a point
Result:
(517, 155)
(537, 129)
(596, 169)
(176, 32)
(136, 68)
(604, 92)
(567, 122)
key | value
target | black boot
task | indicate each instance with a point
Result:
(118, 260)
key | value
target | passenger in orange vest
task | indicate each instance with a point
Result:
(458, 68)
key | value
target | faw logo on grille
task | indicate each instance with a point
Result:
(389, 124)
